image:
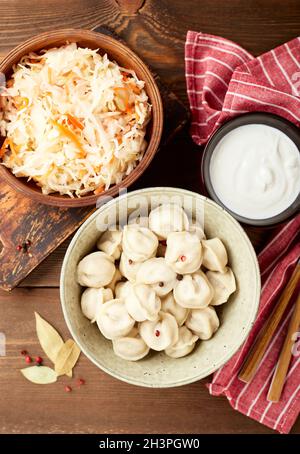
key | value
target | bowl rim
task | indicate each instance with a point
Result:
(258, 117)
(77, 34)
(244, 332)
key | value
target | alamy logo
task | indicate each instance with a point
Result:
(129, 209)
(296, 346)
(2, 344)
(296, 83)
(2, 83)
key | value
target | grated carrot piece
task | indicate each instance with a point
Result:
(74, 122)
(136, 90)
(4, 147)
(12, 146)
(99, 189)
(66, 132)
(98, 168)
(21, 102)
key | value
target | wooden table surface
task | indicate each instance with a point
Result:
(156, 29)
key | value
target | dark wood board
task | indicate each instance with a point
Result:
(47, 227)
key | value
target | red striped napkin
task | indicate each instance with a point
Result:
(224, 80)
(277, 262)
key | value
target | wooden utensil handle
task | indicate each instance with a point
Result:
(285, 356)
(259, 347)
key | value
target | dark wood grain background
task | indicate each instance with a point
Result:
(156, 30)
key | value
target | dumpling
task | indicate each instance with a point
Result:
(160, 334)
(169, 305)
(122, 288)
(131, 347)
(142, 303)
(196, 228)
(95, 270)
(185, 344)
(168, 218)
(193, 291)
(184, 252)
(224, 285)
(203, 322)
(113, 319)
(214, 255)
(92, 298)
(157, 273)
(116, 278)
(110, 243)
(139, 243)
(128, 267)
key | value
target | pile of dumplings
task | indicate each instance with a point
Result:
(155, 283)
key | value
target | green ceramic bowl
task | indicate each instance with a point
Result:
(237, 316)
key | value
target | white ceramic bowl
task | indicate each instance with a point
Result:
(237, 316)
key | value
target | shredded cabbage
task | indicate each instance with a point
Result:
(74, 121)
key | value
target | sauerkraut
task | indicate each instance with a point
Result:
(74, 121)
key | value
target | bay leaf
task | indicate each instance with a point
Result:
(41, 375)
(51, 342)
(49, 339)
(67, 357)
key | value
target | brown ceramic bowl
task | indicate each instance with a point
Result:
(126, 58)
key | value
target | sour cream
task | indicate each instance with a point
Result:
(255, 171)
